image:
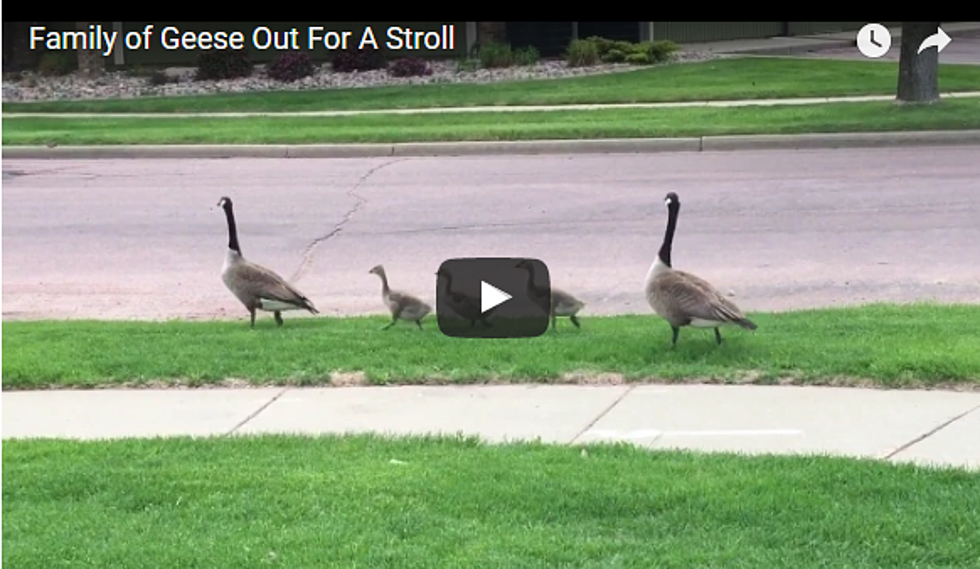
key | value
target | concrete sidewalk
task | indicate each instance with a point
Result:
(925, 427)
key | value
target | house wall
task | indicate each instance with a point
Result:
(806, 28)
(692, 32)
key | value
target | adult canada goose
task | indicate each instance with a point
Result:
(466, 306)
(562, 303)
(402, 305)
(255, 286)
(683, 299)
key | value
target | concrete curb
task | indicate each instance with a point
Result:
(524, 147)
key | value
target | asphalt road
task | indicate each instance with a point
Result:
(776, 229)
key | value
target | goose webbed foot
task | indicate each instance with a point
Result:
(718, 336)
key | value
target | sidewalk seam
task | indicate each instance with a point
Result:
(930, 433)
(256, 413)
(602, 414)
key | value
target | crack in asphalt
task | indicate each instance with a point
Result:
(930, 433)
(359, 202)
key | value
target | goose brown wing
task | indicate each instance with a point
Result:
(264, 283)
(697, 298)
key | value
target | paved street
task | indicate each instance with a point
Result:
(777, 229)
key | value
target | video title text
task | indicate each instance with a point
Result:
(262, 38)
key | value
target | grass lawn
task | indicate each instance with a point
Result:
(723, 79)
(366, 501)
(895, 346)
(488, 126)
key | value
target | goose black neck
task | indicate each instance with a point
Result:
(669, 235)
(232, 230)
(530, 276)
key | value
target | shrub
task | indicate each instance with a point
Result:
(660, 51)
(158, 77)
(496, 55)
(582, 53)
(55, 63)
(225, 64)
(352, 59)
(410, 67)
(617, 55)
(290, 66)
(138, 70)
(466, 64)
(643, 53)
(637, 58)
(527, 56)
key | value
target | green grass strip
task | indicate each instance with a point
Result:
(366, 501)
(888, 345)
(951, 114)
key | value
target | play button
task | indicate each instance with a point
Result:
(493, 297)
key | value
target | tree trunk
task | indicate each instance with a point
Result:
(17, 52)
(918, 73)
(90, 61)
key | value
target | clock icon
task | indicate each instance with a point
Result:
(874, 40)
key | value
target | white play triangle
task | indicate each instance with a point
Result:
(491, 296)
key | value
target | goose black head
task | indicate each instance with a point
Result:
(225, 202)
(672, 201)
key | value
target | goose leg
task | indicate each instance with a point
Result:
(718, 336)
(389, 325)
(278, 316)
(554, 321)
(419, 324)
(574, 320)
(676, 331)
(251, 311)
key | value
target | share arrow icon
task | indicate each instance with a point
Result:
(939, 40)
